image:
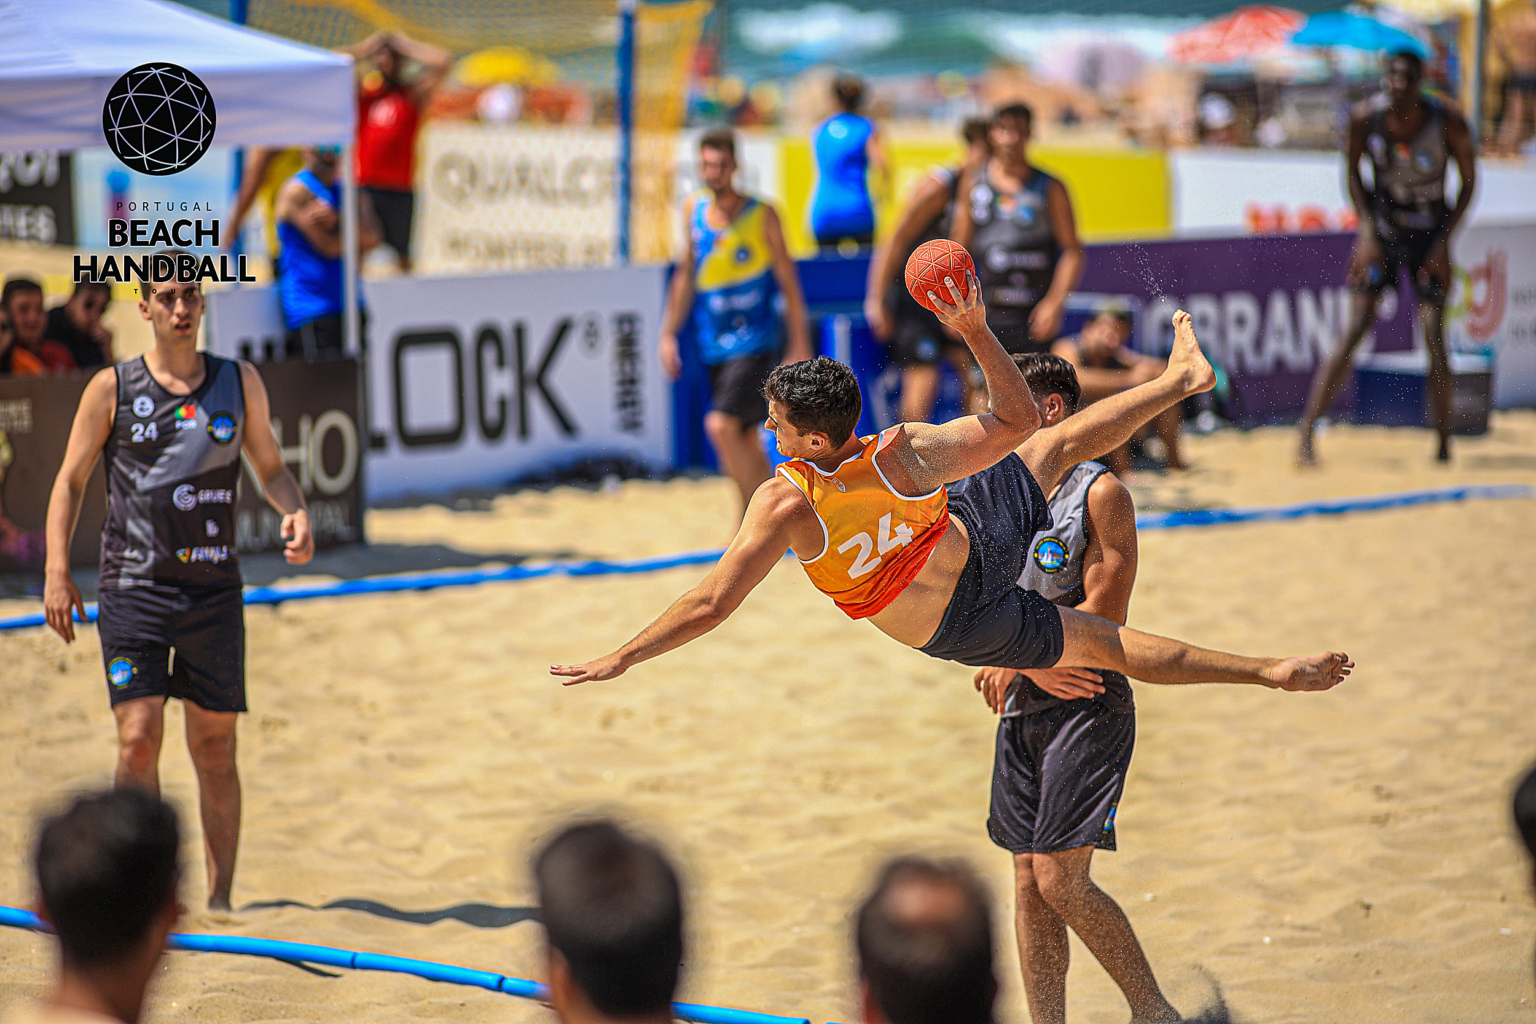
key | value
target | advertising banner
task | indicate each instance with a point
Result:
(1268, 309)
(315, 418)
(1492, 309)
(1222, 192)
(476, 381)
(37, 197)
(515, 198)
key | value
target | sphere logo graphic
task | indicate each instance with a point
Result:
(159, 119)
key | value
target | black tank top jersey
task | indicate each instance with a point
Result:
(1014, 246)
(172, 465)
(1407, 177)
(937, 228)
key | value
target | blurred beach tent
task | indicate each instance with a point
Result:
(510, 65)
(58, 61)
(1248, 32)
(1357, 32)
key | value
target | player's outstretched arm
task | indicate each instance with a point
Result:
(1105, 426)
(759, 544)
(266, 459)
(940, 453)
(87, 437)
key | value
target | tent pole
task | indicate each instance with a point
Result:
(349, 267)
(625, 99)
(1479, 69)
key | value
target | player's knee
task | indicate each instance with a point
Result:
(1059, 884)
(721, 428)
(1024, 882)
(214, 753)
(138, 750)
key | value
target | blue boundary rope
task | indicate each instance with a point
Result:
(328, 956)
(606, 567)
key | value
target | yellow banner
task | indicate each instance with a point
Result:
(1116, 194)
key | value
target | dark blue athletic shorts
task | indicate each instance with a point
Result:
(1058, 777)
(991, 620)
(164, 641)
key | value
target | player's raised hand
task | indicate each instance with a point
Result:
(60, 598)
(1186, 362)
(970, 316)
(607, 667)
(301, 540)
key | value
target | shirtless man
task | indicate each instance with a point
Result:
(871, 518)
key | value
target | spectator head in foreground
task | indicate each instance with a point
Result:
(613, 922)
(107, 871)
(924, 941)
(1525, 817)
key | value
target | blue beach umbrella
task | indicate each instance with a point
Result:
(1358, 32)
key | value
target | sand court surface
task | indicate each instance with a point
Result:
(1323, 857)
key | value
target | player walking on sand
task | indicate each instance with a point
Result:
(173, 424)
(870, 519)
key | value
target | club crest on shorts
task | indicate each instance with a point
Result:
(120, 672)
(1050, 554)
(1109, 822)
(221, 427)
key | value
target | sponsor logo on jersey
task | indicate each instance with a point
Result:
(212, 527)
(221, 427)
(143, 406)
(186, 416)
(213, 555)
(1050, 554)
(186, 497)
(120, 672)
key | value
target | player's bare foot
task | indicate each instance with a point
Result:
(1186, 360)
(1319, 672)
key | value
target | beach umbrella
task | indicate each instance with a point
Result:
(509, 64)
(1247, 32)
(1356, 32)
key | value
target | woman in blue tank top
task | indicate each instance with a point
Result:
(845, 145)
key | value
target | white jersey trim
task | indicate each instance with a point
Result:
(826, 537)
(875, 461)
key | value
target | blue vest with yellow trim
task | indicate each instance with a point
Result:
(734, 312)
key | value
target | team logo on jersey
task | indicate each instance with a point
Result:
(120, 672)
(1050, 554)
(221, 427)
(214, 555)
(143, 406)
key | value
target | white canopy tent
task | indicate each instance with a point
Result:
(59, 58)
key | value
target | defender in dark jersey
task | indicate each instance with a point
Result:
(1404, 223)
(1066, 736)
(173, 424)
(916, 338)
(1017, 221)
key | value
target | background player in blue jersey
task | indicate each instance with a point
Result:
(173, 424)
(734, 267)
(846, 146)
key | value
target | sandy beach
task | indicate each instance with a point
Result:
(1323, 857)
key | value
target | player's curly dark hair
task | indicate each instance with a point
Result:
(819, 395)
(1047, 374)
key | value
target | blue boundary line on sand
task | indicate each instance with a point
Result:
(606, 567)
(329, 956)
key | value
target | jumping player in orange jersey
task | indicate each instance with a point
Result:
(937, 568)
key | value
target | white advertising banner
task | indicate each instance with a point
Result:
(1493, 306)
(477, 381)
(515, 198)
(1220, 192)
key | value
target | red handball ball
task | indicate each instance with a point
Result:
(930, 264)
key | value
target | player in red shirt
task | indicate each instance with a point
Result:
(388, 117)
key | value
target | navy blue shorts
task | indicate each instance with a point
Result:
(991, 620)
(186, 642)
(1058, 777)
